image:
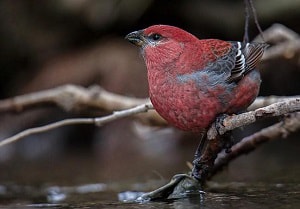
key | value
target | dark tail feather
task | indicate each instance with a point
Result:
(253, 53)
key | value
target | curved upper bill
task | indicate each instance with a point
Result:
(136, 38)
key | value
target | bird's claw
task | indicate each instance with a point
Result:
(219, 125)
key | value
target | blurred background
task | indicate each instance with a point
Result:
(45, 45)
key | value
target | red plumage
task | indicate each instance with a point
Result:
(192, 81)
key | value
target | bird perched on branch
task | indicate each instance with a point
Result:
(192, 81)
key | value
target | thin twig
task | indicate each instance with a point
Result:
(72, 98)
(75, 121)
(231, 122)
(246, 26)
(254, 14)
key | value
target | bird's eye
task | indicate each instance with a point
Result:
(155, 36)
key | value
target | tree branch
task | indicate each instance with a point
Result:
(229, 123)
(283, 129)
(96, 121)
(268, 100)
(286, 43)
(235, 121)
(215, 139)
(75, 98)
(70, 98)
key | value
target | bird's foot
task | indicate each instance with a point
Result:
(219, 125)
(200, 169)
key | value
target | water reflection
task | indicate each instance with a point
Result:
(106, 196)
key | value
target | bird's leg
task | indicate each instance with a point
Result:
(203, 164)
(208, 150)
(200, 147)
(181, 184)
(200, 162)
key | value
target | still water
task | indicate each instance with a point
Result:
(100, 195)
(266, 178)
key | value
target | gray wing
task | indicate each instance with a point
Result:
(230, 67)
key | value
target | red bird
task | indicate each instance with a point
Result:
(192, 81)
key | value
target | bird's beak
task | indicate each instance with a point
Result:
(137, 38)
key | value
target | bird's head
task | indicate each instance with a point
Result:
(156, 35)
(161, 44)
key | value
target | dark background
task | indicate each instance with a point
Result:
(50, 43)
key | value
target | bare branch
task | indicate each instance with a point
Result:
(78, 98)
(289, 125)
(265, 101)
(72, 97)
(229, 123)
(287, 42)
(96, 121)
(278, 33)
(287, 50)
(215, 140)
(277, 109)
